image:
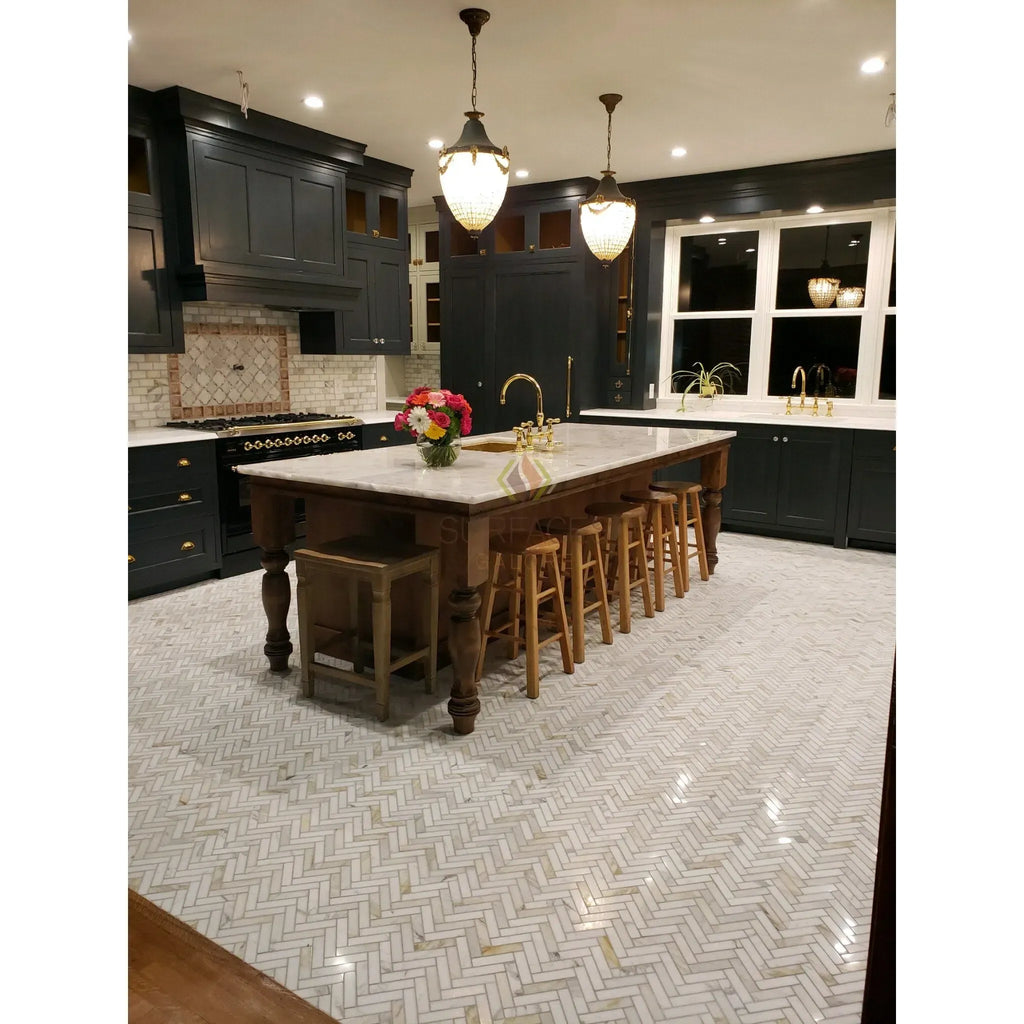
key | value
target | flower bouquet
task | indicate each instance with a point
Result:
(438, 419)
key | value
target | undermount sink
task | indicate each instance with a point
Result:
(490, 446)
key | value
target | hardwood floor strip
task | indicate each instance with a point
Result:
(178, 976)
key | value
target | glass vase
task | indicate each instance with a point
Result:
(437, 456)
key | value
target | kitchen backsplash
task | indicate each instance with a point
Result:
(246, 359)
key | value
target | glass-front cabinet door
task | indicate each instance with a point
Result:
(783, 306)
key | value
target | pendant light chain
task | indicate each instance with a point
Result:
(473, 99)
(608, 166)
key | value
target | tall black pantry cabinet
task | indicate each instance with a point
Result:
(527, 296)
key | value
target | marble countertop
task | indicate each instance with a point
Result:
(166, 435)
(846, 418)
(480, 477)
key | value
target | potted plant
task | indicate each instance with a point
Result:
(707, 383)
(438, 419)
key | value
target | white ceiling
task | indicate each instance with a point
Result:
(739, 83)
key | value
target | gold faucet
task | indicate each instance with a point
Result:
(803, 384)
(540, 397)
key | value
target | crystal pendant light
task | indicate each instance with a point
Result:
(474, 172)
(822, 289)
(607, 217)
(849, 297)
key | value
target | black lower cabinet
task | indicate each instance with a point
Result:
(382, 435)
(872, 520)
(173, 523)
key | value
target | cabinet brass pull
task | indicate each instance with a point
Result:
(618, 384)
(483, 252)
(184, 496)
(384, 437)
(183, 463)
(131, 558)
(618, 398)
(188, 546)
(375, 233)
(568, 386)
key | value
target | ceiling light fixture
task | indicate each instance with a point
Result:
(313, 102)
(872, 65)
(707, 219)
(815, 209)
(822, 289)
(607, 217)
(435, 143)
(474, 172)
(678, 151)
(522, 173)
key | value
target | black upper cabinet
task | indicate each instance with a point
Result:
(526, 297)
(154, 309)
(377, 212)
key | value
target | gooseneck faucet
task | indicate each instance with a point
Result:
(540, 397)
(803, 384)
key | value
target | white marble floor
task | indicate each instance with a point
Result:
(684, 830)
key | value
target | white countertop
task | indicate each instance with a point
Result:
(480, 477)
(166, 435)
(847, 418)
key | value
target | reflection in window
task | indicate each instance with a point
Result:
(827, 349)
(717, 272)
(887, 383)
(710, 342)
(804, 253)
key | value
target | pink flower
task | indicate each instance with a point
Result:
(401, 421)
(436, 398)
(456, 402)
(467, 423)
(442, 419)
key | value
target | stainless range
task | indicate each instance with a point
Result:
(247, 439)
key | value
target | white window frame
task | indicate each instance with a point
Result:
(872, 313)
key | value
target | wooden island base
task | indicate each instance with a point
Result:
(460, 529)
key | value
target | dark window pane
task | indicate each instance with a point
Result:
(887, 383)
(802, 251)
(892, 276)
(710, 342)
(717, 272)
(826, 347)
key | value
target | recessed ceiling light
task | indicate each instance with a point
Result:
(815, 209)
(678, 151)
(521, 173)
(751, 250)
(707, 219)
(872, 66)
(314, 102)
(435, 143)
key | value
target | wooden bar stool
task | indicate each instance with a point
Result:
(526, 568)
(622, 526)
(580, 542)
(661, 537)
(688, 495)
(350, 562)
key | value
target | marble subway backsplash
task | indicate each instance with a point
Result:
(244, 359)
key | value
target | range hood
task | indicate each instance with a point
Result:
(253, 206)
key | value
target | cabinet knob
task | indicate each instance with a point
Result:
(479, 383)
(785, 439)
(188, 546)
(618, 398)
(184, 496)
(375, 233)
(775, 438)
(131, 558)
(183, 463)
(384, 438)
(618, 383)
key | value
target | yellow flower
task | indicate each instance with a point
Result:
(434, 432)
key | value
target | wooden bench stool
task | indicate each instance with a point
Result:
(580, 542)
(662, 539)
(526, 567)
(624, 548)
(688, 495)
(349, 562)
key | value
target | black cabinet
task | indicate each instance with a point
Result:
(382, 435)
(872, 518)
(377, 212)
(173, 524)
(526, 297)
(154, 310)
(790, 478)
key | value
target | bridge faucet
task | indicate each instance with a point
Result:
(540, 397)
(803, 384)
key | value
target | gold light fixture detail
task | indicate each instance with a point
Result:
(607, 217)
(823, 288)
(474, 172)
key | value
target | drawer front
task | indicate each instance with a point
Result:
(384, 435)
(159, 474)
(879, 444)
(620, 397)
(176, 502)
(168, 554)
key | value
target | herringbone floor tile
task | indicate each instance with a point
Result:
(682, 831)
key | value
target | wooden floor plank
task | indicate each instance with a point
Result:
(178, 976)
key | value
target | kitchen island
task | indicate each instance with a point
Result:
(389, 492)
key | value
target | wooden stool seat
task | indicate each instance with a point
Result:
(662, 539)
(377, 562)
(688, 495)
(580, 543)
(531, 577)
(624, 550)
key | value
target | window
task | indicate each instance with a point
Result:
(738, 292)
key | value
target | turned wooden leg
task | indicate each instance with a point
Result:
(711, 518)
(277, 596)
(464, 649)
